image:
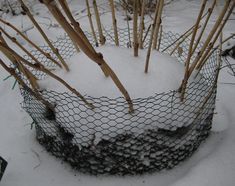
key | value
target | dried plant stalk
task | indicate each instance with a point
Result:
(75, 24)
(160, 38)
(141, 26)
(202, 61)
(211, 34)
(158, 23)
(32, 79)
(55, 50)
(67, 7)
(30, 42)
(210, 10)
(96, 57)
(22, 83)
(181, 41)
(91, 23)
(135, 28)
(185, 33)
(114, 22)
(97, 16)
(149, 50)
(151, 39)
(78, 30)
(190, 51)
(40, 67)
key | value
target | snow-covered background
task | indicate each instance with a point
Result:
(29, 163)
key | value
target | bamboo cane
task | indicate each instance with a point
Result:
(55, 50)
(190, 53)
(91, 23)
(202, 61)
(135, 33)
(210, 10)
(149, 50)
(141, 26)
(30, 42)
(96, 57)
(22, 83)
(40, 67)
(158, 23)
(97, 16)
(32, 79)
(114, 22)
(211, 34)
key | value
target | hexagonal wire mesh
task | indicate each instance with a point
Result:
(161, 132)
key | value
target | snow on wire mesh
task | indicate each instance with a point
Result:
(162, 131)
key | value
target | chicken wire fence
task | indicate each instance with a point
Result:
(162, 131)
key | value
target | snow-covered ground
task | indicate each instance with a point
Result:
(29, 163)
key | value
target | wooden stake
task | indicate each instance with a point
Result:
(158, 23)
(186, 74)
(97, 16)
(135, 25)
(91, 23)
(114, 22)
(141, 26)
(55, 50)
(30, 42)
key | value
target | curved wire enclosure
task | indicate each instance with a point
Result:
(162, 131)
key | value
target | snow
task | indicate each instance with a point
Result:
(213, 163)
(87, 78)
